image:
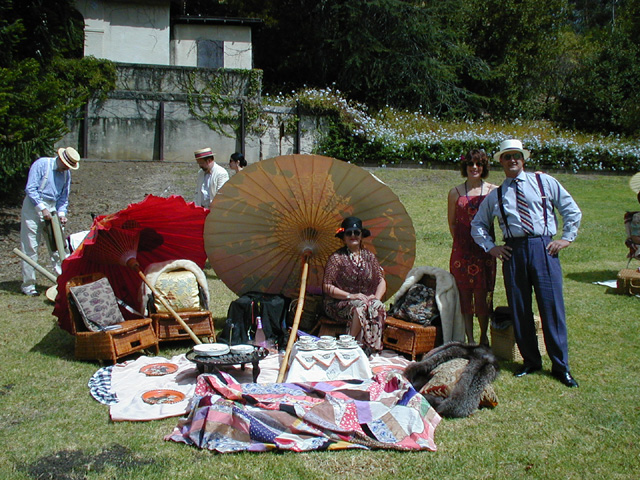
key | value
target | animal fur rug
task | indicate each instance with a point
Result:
(464, 398)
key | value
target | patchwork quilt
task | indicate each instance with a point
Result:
(385, 412)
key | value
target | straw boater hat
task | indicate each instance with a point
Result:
(69, 157)
(511, 145)
(203, 153)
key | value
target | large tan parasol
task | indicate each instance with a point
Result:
(272, 226)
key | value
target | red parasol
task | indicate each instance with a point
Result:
(154, 230)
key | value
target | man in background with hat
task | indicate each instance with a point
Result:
(524, 205)
(47, 194)
(211, 177)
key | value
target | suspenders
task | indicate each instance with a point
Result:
(543, 195)
(50, 169)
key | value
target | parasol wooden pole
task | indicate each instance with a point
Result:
(57, 235)
(296, 319)
(39, 268)
(133, 263)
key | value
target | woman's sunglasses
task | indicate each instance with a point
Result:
(355, 233)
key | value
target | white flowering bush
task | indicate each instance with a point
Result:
(392, 137)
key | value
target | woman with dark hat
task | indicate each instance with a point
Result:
(353, 286)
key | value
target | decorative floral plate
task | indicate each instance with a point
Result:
(158, 397)
(159, 369)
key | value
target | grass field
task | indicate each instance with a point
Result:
(50, 427)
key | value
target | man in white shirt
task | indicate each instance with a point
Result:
(47, 193)
(211, 177)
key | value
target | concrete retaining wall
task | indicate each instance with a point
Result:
(148, 117)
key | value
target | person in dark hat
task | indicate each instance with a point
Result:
(211, 177)
(354, 285)
(525, 205)
(47, 194)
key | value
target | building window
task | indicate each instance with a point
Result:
(210, 53)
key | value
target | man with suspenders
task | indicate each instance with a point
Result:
(47, 192)
(524, 205)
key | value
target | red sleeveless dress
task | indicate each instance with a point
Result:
(472, 268)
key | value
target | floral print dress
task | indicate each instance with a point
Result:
(363, 276)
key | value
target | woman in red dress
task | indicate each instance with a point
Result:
(473, 269)
(354, 285)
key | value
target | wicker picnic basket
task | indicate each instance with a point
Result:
(411, 338)
(133, 335)
(629, 281)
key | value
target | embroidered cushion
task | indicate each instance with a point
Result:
(445, 377)
(97, 304)
(180, 289)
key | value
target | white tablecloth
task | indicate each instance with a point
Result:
(130, 384)
(321, 365)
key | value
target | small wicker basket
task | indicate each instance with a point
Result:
(503, 342)
(629, 281)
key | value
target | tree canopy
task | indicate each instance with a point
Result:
(561, 60)
(43, 79)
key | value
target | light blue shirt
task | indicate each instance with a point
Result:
(55, 189)
(557, 197)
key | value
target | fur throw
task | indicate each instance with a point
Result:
(447, 299)
(464, 398)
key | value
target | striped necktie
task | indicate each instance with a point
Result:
(523, 209)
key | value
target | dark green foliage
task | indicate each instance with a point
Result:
(41, 83)
(522, 42)
(408, 54)
(569, 61)
(603, 94)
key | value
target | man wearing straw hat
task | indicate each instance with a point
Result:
(211, 177)
(47, 193)
(524, 205)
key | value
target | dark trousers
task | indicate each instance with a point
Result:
(531, 269)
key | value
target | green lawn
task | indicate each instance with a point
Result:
(540, 429)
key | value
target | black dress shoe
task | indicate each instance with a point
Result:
(526, 370)
(565, 378)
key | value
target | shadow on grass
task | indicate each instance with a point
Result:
(11, 286)
(594, 276)
(597, 276)
(15, 286)
(56, 343)
(72, 464)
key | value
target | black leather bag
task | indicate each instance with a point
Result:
(241, 318)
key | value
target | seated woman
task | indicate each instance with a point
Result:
(353, 287)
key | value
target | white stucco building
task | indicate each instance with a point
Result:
(147, 32)
(160, 108)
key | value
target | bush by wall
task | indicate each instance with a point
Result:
(391, 137)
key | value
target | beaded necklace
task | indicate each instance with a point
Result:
(466, 191)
